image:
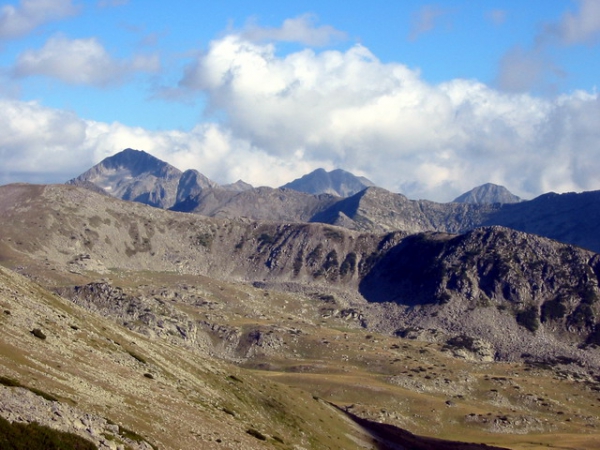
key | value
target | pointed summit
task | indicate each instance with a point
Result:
(134, 175)
(488, 194)
(337, 182)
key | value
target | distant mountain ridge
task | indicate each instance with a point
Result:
(135, 175)
(488, 194)
(138, 176)
(337, 182)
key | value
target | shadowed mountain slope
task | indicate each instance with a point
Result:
(379, 210)
(571, 218)
(263, 203)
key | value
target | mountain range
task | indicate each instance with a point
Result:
(145, 307)
(138, 176)
(339, 198)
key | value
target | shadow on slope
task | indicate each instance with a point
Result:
(390, 437)
(409, 273)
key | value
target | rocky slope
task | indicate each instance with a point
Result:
(436, 332)
(495, 279)
(264, 203)
(86, 375)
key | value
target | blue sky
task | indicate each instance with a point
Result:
(424, 98)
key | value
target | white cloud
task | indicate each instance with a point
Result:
(35, 140)
(80, 61)
(39, 144)
(350, 110)
(19, 20)
(285, 116)
(301, 30)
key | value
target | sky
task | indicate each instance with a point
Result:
(427, 99)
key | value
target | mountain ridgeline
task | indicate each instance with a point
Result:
(337, 182)
(206, 316)
(339, 198)
(486, 282)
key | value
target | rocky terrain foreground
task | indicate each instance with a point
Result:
(173, 330)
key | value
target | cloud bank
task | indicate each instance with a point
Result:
(275, 118)
(381, 119)
(283, 116)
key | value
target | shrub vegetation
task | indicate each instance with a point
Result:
(19, 436)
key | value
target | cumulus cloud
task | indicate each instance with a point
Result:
(80, 61)
(36, 140)
(302, 30)
(19, 20)
(281, 117)
(40, 144)
(350, 110)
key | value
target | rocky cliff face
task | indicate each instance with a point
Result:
(514, 283)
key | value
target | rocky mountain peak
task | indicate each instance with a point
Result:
(488, 193)
(337, 182)
(138, 162)
(138, 176)
(238, 186)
